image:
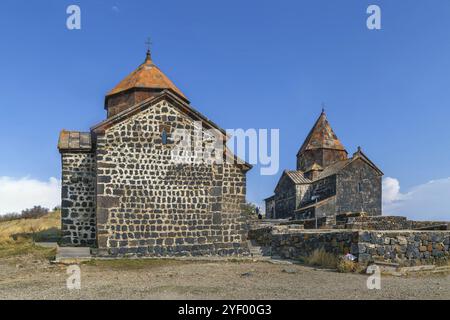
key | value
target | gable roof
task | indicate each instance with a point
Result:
(361, 155)
(333, 169)
(321, 136)
(338, 166)
(182, 105)
(147, 75)
(296, 177)
(167, 95)
(74, 141)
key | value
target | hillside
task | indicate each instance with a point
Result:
(47, 226)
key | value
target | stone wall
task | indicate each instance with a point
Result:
(124, 100)
(285, 198)
(405, 248)
(78, 223)
(430, 225)
(323, 189)
(322, 157)
(300, 244)
(378, 223)
(393, 223)
(149, 205)
(358, 189)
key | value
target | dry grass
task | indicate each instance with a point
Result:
(24, 247)
(345, 266)
(136, 264)
(46, 226)
(17, 237)
(321, 258)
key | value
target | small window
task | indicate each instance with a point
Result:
(360, 187)
(164, 137)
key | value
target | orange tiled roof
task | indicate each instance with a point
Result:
(74, 140)
(147, 75)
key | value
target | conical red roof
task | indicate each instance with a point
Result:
(147, 75)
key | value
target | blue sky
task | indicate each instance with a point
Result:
(244, 64)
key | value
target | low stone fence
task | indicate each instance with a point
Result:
(261, 236)
(404, 247)
(407, 248)
(393, 223)
(430, 225)
(378, 223)
(302, 244)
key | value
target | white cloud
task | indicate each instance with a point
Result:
(391, 190)
(115, 9)
(19, 194)
(428, 201)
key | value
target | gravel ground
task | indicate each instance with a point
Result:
(25, 278)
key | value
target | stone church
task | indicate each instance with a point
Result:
(122, 193)
(327, 182)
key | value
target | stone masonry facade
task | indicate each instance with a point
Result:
(148, 205)
(127, 189)
(78, 199)
(403, 247)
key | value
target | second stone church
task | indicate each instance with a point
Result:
(327, 182)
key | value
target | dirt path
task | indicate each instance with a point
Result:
(25, 278)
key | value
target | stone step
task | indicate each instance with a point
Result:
(47, 244)
(255, 251)
(72, 255)
(417, 268)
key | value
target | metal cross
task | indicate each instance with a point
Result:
(148, 43)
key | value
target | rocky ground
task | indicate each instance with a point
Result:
(28, 277)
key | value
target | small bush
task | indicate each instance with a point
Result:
(346, 266)
(10, 217)
(35, 212)
(321, 258)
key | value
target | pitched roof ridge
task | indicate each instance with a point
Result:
(362, 155)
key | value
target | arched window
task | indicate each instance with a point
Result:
(164, 137)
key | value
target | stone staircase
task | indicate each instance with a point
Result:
(256, 251)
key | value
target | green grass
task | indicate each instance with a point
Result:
(25, 247)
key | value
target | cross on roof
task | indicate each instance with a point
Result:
(148, 43)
